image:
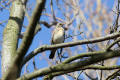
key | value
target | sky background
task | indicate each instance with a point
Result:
(43, 37)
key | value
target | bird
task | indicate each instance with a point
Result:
(58, 36)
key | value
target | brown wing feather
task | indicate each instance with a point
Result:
(53, 33)
(52, 54)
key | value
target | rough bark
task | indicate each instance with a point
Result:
(14, 67)
(10, 36)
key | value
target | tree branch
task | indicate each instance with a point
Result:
(69, 44)
(27, 39)
(113, 75)
(95, 67)
(103, 55)
(29, 34)
(112, 44)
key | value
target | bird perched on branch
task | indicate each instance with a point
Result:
(58, 36)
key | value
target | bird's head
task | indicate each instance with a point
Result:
(60, 24)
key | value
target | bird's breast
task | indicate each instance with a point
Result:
(58, 37)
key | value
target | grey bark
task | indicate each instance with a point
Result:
(11, 34)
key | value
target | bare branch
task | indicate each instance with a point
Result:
(29, 34)
(27, 39)
(103, 55)
(112, 44)
(113, 75)
(69, 44)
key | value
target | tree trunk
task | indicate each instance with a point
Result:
(10, 37)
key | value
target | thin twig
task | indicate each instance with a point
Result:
(53, 14)
(113, 75)
(112, 44)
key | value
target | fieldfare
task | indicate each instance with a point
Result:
(58, 36)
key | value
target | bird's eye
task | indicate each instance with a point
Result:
(60, 24)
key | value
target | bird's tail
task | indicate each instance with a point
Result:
(52, 54)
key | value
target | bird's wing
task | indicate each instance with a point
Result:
(53, 33)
